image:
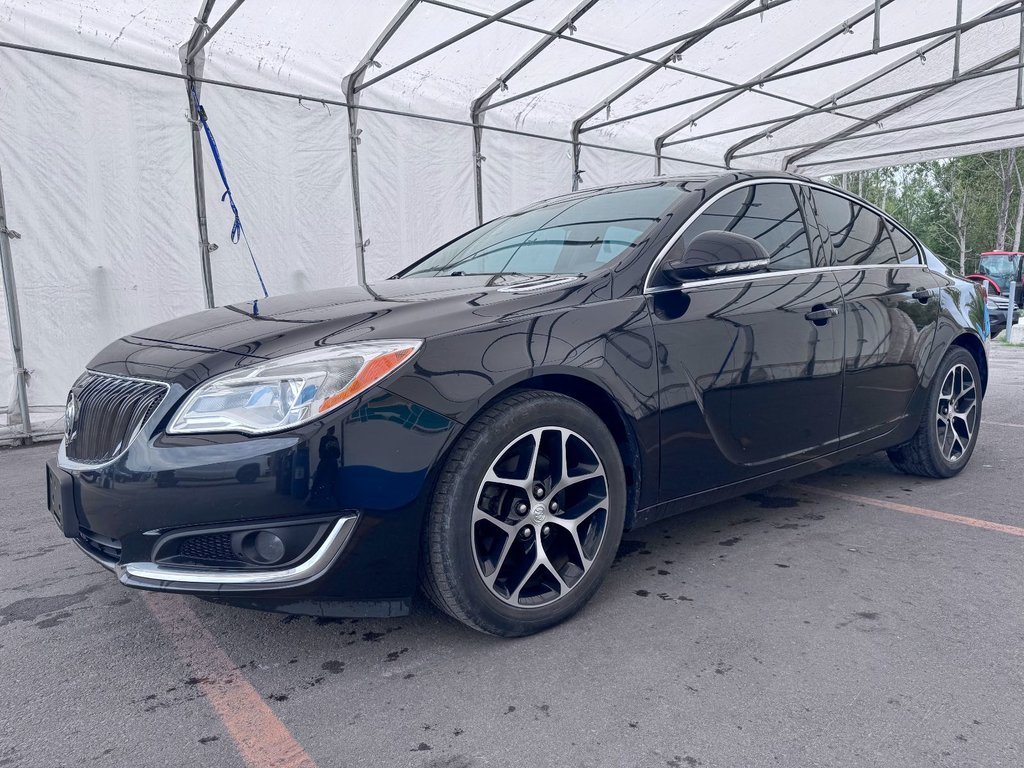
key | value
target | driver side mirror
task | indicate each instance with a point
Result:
(715, 253)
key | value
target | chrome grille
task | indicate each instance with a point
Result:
(105, 413)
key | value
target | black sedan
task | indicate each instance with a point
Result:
(487, 422)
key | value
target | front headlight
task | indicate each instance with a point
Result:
(289, 391)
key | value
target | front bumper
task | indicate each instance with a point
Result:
(363, 474)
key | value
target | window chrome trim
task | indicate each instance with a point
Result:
(780, 273)
(311, 568)
(656, 264)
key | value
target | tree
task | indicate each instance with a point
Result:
(953, 187)
(1004, 167)
(1020, 208)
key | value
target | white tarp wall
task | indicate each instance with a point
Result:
(96, 160)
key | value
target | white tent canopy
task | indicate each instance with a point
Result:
(449, 111)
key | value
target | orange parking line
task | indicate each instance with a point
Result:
(912, 510)
(263, 741)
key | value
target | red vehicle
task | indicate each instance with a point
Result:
(997, 269)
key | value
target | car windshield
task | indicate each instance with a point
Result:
(1001, 267)
(568, 236)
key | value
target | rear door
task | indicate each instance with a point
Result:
(891, 307)
(748, 381)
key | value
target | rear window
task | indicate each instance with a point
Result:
(858, 235)
(571, 236)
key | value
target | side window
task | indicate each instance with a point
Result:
(769, 213)
(906, 249)
(858, 235)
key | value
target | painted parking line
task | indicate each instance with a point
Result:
(1002, 424)
(912, 510)
(263, 741)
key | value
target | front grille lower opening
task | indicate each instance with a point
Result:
(104, 546)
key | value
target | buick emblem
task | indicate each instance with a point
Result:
(539, 513)
(71, 417)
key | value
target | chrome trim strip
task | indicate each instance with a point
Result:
(777, 180)
(311, 568)
(540, 285)
(780, 273)
(128, 378)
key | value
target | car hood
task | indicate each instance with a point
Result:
(194, 347)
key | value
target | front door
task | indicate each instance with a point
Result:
(750, 366)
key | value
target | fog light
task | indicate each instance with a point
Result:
(263, 547)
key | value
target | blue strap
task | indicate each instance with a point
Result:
(236, 228)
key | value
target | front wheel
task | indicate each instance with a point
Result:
(948, 432)
(526, 517)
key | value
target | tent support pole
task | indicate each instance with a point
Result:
(777, 123)
(352, 85)
(952, 145)
(1014, 9)
(478, 171)
(641, 54)
(956, 41)
(822, 40)
(14, 316)
(198, 178)
(831, 103)
(199, 44)
(876, 40)
(334, 102)
(501, 84)
(665, 60)
(357, 212)
(444, 44)
(900, 106)
(668, 66)
(576, 150)
(883, 132)
(1020, 63)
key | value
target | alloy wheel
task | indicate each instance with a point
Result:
(957, 413)
(540, 517)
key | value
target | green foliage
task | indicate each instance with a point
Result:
(924, 196)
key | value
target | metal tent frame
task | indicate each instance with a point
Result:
(666, 55)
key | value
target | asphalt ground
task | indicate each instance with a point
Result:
(824, 623)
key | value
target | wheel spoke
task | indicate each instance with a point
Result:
(479, 514)
(542, 558)
(496, 479)
(514, 599)
(531, 472)
(568, 482)
(489, 580)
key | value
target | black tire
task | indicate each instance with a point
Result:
(451, 569)
(923, 454)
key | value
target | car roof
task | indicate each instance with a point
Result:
(723, 178)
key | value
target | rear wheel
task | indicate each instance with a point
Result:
(526, 517)
(948, 432)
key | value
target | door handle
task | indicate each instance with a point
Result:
(922, 295)
(821, 314)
